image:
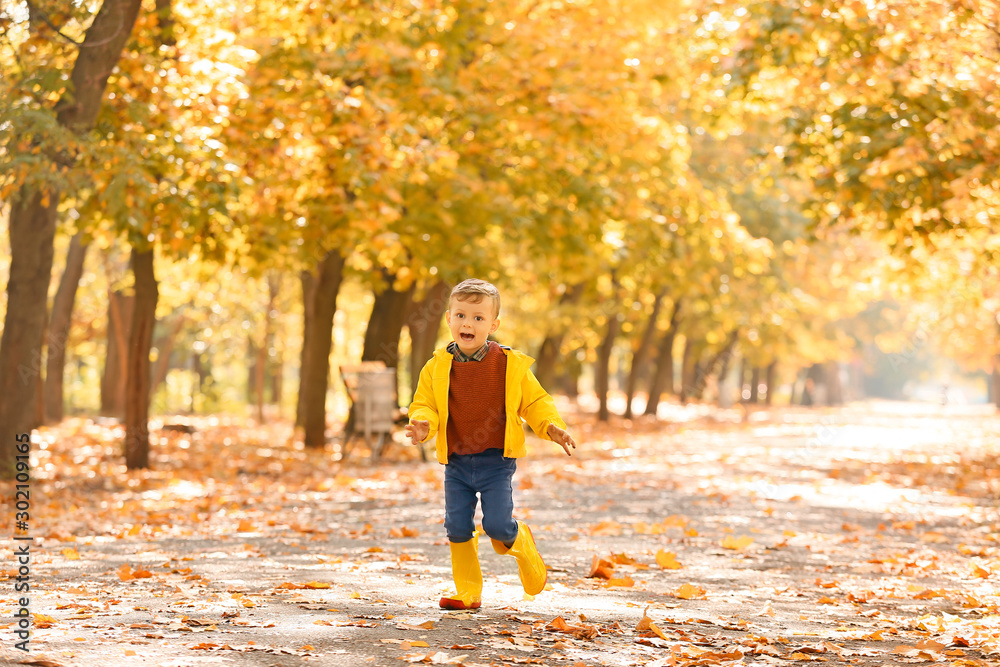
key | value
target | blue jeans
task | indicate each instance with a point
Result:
(489, 474)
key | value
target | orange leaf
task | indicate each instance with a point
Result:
(246, 526)
(690, 592)
(667, 560)
(977, 571)
(601, 569)
(646, 625)
(558, 624)
(623, 582)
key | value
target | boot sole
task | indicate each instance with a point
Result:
(451, 603)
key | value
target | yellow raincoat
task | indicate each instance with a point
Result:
(523, 396)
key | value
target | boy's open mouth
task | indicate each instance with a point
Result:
(468, 336)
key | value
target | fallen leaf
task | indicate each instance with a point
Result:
(737, 543)
(690, 592)
(646, 624)
(667, 560)
(601, 569)
(607, 528)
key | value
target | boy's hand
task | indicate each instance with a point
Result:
(417, 430)
(562, 438)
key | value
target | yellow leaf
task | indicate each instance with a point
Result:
(71, 553)
(978, 571)
(246, 526)
(667, 560)
(690, 592)
(691, 532)
(737, 543)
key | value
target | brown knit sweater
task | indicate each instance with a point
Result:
(476, 415)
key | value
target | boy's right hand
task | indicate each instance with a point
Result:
(417, 430)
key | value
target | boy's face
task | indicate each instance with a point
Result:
(470, 323)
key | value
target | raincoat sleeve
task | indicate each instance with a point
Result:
(537, 407)
(424, 406)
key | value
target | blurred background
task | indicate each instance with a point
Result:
(228, 206)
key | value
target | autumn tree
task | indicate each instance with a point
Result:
(61, 75)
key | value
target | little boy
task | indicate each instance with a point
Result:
(473, 394)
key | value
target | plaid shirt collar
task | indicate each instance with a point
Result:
(478, 355)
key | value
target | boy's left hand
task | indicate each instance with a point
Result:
(561, 438)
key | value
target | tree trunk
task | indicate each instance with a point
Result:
(754, 385)
(32, 228)
(708, 368)
(316, 375)
(689, 363)
(275, 380)
(62, 315)
(769, 380)
(995, 381)
(663, 376)
(547, 358)
(638, 366)
(548, 354)
(140, 343)
(308, 307)
(120, 309)
(32, 231)
(201, 373)
(725, 396)
(260, 373)
(814, 379)
(263, 354)
(834, 391)
(568, 381)
(386, 324)
(39, 414)
(423, 321)
(602, 368)
(165, 348)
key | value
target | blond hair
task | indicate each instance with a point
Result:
(476, 290)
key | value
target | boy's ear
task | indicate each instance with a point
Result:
(495, 325)
(447, 316)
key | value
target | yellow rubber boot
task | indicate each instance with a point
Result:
(467, 575)
(530, 565)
